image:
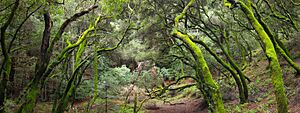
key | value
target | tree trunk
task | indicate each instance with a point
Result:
(276, 72)
(41, 66)
(279, 47)
(209, 86)
(96, 81)
(236, 67)
(226, 66)
(5, 69)
(71, 86)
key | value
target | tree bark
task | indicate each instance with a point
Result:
(227, 67)
(276, 72)
(5, 69)
(236, 67)
(41, 66)
(207, 85)
(279, 47)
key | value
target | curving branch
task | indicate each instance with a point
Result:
(19, 28)
(66, 23)
(279, 47)
(208, 86)
(2, 34)
(243, 92)
(7, 7)
(182, 87)
(295, 3)
(45, 68)
(185, 60)
(117, 45)
(162, 90)
(285, 17)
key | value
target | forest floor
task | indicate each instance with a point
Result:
(261, 96)
(261, 100)
(182, 106)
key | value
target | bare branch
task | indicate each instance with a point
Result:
(117, 45)
(7, 7)
(19, 28)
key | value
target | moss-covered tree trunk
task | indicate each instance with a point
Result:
(236, 67)
(288, 59)
(63, 103)
(79, 63)
(96, 81)
(242, 49)
(41, 66)
(6, 66)
(228, 67)
(70, 89)
(279, 46)
(211, 89)
(208, 86)
(276, 72)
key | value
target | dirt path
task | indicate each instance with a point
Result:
(182, 106)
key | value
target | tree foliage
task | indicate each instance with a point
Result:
(66, 50)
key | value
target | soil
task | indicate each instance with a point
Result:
(182, 106)
(196, 106)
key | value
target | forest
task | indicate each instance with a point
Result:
(150, 56)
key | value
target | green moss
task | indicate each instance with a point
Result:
(227, 4)
(277, 43)
(238, 70)
(288, 59)
(216, 102)
(29, 105)
(276, 73)
(229, 68)
(211, 89)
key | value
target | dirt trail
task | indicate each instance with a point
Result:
(182, 106)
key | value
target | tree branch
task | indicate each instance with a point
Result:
(2, 36)
(117, 45)
(66, 23)
(19, 28)
(7, 7)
